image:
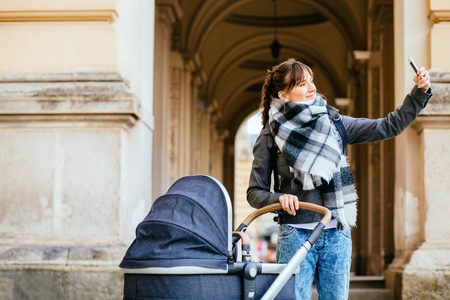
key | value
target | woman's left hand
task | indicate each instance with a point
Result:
(422, 79)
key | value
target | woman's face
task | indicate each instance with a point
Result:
(304, 91)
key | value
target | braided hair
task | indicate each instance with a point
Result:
(283, 77)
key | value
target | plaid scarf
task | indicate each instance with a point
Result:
(304, 135)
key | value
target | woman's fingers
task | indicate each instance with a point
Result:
(422, 79)
(289, 203)
(292, 201)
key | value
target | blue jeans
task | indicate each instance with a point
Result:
(331, 255)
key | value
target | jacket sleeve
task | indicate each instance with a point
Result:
(258, 192)
(361, 130)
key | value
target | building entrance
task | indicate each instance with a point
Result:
(213, 64)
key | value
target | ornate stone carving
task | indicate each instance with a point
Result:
(66, 94)
(174, 122)
(375, 97)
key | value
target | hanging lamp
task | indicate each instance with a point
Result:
(275, 47)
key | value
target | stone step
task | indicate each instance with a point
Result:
(367, 282)
(366, 294)
(365, 287)
(370, 294)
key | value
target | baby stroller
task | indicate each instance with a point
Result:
(185, 249)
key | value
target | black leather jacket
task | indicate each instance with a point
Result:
(268, 159)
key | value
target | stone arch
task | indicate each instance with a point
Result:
(212, 12)
(250, 47)
(225, 50)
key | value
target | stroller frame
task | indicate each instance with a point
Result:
(144, 281)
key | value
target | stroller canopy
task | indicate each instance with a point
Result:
(188, 226)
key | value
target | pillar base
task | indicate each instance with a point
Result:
(61, 272)
(425, 276)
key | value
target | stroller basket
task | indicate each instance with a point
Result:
(185, 249)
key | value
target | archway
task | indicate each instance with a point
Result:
(224, 49)
(263, 231)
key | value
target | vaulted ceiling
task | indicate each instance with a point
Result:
(231, 40)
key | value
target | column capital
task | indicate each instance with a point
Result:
(438, 16)
(439, 11)
(67, 95)
(169, 10)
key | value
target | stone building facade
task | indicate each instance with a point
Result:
(104, 104)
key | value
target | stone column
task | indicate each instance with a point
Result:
(76, 134)
(63, 156)
(168, 12)
(373, 237)
(182, 112)
(199, 111)
(216, 143)
(427, 274)
(421, 267)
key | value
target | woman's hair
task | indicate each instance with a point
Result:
(282, 77)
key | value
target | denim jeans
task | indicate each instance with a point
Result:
(331, 255)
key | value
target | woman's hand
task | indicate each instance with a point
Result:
(289, 203)
(422, 79)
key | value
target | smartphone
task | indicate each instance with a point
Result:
(413, 65)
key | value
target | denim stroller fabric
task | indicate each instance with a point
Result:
(183, 228)
(206, 287)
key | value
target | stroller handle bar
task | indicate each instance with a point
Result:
(277, 206)
(300, 255)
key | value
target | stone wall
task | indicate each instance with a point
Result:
(64, 156)
(427, 274)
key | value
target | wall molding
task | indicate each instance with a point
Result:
(438, 16)
(67, 94)
(109, 15)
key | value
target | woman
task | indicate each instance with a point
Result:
(302, 144)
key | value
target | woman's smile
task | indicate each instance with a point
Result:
(304, 91)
